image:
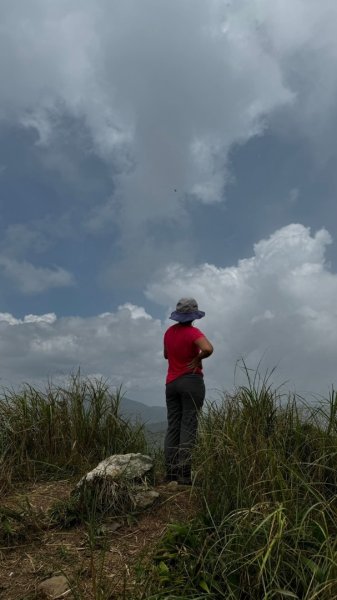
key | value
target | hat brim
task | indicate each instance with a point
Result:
(186, 317)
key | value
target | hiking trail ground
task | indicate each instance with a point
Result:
(114, 557)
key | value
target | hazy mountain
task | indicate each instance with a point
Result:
(137, 411)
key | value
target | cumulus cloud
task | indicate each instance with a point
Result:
(165, 89)
(162, 92)
(277, 305)
(125, 347)
(30, 279)
(20, 240)
(48, 318)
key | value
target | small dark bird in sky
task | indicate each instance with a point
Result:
(175, 190)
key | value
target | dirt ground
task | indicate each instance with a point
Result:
(110, 561)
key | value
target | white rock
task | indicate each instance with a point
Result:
(117, 466)
(55, 587)
(117, 485)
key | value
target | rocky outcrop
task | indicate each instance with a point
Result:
(117, 485)
(120, 466)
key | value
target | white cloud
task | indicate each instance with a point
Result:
(20, 238)
(30, 279)
(136, 312)
(163, 109)
(278, 305)
(48, 318)
(125, 347)
(162, 93)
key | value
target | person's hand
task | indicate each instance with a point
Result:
(195, 364)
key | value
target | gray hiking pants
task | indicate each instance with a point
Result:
(184, 399)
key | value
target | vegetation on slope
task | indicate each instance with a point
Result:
(265, 484)
(62, 430)
(266, 480)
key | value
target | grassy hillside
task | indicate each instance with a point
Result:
(264, 518)
(62, 430)
(266, 483)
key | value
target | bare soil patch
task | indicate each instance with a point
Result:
(109, 559)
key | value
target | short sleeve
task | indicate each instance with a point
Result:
(196, 334)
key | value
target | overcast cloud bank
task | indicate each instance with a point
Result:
(278, 305)
(119, 123)
(163, 91)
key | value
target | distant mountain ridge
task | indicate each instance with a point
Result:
(137, 411)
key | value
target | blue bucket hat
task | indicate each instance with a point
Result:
(187, 310)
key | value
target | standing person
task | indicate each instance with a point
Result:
(185, 347)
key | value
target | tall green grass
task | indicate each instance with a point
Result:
(266, 480)
(62, 429)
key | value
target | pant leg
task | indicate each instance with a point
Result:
(192, 394)
(172, 438)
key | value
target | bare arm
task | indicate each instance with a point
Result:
(205, 350)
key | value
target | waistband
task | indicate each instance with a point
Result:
(187, 376)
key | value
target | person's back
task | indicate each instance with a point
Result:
(179, 341)
(184, 347)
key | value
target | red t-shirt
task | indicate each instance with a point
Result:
(179, 342)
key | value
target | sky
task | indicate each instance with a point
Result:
(151, 150)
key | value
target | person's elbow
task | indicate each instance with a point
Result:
(209, 349)
(205, 347)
